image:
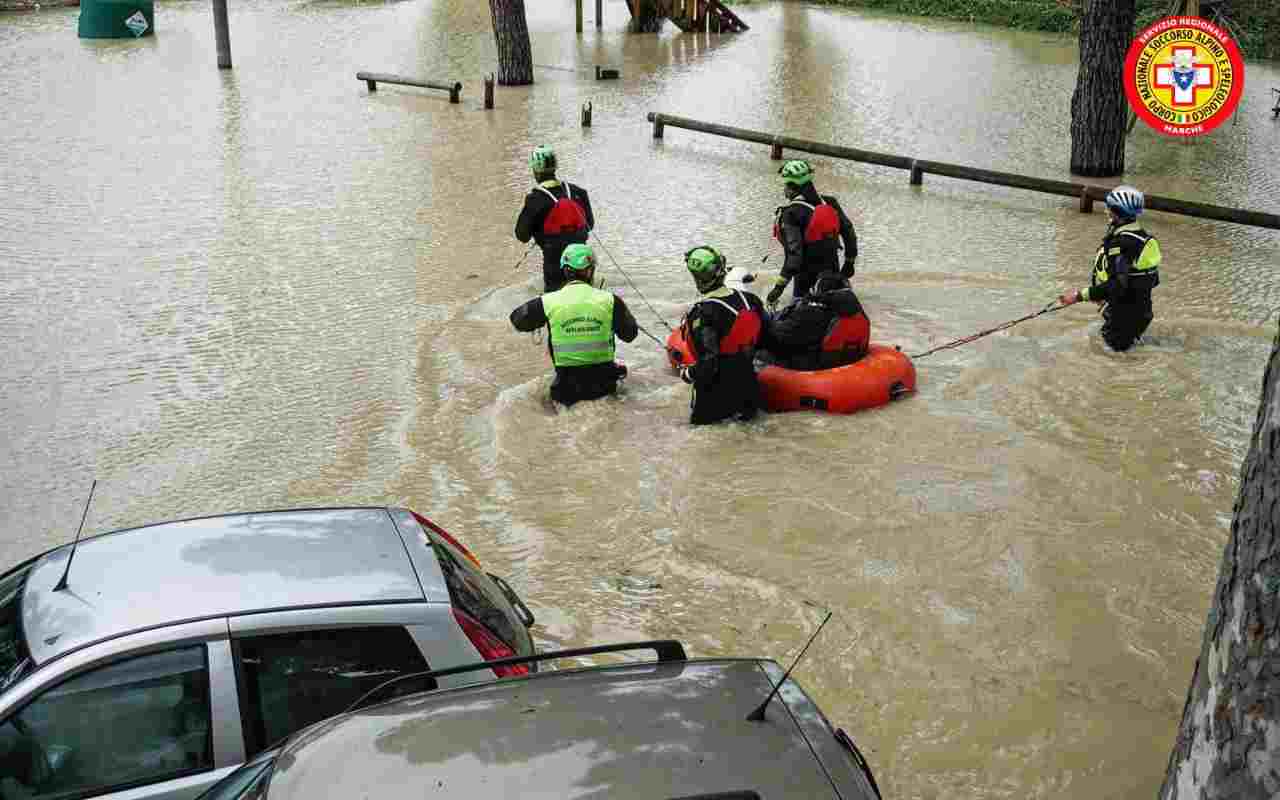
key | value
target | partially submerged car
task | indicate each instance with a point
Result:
(176, 651)
(670, 728)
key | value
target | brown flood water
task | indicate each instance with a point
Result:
(268, 288)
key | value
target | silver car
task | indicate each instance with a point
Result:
(671, 728)
(177, 651)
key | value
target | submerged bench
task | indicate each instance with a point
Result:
(374, 78)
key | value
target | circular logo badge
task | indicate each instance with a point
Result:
(1183, 76)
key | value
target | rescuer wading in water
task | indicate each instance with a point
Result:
(555, 215)
(723, 329)
(1125, 271)
(811, 228)
(584, 321)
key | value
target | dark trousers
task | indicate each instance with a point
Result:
(803, 283)
(1126, 319)
(552, 277)
(733, 393)
(573, 384)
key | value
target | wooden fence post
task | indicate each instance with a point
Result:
(222, 33)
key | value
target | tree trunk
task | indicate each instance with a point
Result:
(1098, 107)
(647, 17)
(511, 31)
(1229, 741)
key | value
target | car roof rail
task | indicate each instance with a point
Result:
(666, 649)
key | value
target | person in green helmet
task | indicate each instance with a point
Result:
(811, 228)
(584, 321)
(555, 215)
(724, 328)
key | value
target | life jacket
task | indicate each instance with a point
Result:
(581, 320)
(747, 324)
(852, 333)
(1145, 268)
(566, 214)
(824, 221)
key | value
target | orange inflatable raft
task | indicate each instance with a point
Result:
(882, 375)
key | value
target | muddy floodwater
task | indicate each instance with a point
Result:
(270, 288)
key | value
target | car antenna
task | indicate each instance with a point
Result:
(758, 714)
(62, 584)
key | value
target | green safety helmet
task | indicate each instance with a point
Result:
(542, 159)
(707, 266)
(577, 258)
(796, 172)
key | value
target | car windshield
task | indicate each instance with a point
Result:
(14, 658)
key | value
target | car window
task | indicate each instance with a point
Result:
(291, 680)
(470, 590)
(136, 721)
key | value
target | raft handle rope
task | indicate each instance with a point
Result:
(639, 293)
(1049, 309)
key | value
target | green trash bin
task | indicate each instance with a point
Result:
(113, 19)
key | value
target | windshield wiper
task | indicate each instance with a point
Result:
(17, 672)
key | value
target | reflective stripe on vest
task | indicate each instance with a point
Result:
(746, 326)
(1148, 257)
(581, 321)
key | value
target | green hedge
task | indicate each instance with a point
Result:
(1256, 23)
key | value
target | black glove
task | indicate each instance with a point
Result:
(775, 294)
(847, 270)
(685, 374)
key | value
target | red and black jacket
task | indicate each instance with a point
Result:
(723, 328)
(554, 238)
(811, 247)
(821, 331)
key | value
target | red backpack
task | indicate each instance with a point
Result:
(848, 334)
(824, 222)
(565, 216)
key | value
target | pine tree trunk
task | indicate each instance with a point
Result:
(511, 31)
(1099, 111)
(647, 17)
(1229, 741)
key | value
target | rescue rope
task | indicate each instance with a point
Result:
(633, 283)
(1049, 309)
(659, 342)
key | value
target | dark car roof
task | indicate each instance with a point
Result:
(650, 731)
(215, 566)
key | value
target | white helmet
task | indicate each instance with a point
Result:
(1126, 200)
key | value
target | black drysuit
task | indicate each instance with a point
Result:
(529, 226)
(724, 385)
(793, 337)
(805, 260)
(1126, 291)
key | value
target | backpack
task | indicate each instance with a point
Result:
(566, 215)
(824, 222)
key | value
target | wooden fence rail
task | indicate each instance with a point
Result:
(374, 78)
(918, 168)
